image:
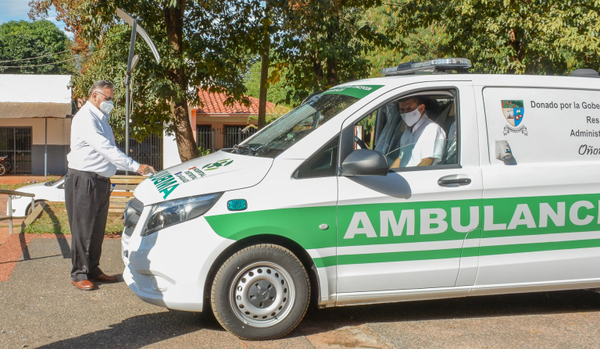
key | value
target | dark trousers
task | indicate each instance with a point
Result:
(86, 196)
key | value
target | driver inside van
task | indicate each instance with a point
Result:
(422, 142)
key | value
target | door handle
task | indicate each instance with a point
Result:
(453, 181)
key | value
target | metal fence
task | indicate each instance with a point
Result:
(149, 151)
(218, 138)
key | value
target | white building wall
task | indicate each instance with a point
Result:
(59, 130)
(170, 151)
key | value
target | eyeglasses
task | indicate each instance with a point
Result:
(107, 98)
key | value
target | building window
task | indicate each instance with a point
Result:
(16, 143)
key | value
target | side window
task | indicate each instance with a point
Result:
(413, 130)
(322, 164)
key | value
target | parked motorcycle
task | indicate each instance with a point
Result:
(6, 164)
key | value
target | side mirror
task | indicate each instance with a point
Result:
(365, 162)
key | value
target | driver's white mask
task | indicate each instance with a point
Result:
(411, 118)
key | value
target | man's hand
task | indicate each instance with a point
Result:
(146, 170)
(426, 162)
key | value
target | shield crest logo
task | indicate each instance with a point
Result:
(513, 112)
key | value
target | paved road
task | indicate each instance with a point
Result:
(40, 308)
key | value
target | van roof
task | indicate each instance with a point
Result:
(508, 80)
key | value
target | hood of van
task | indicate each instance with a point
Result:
(213, 173)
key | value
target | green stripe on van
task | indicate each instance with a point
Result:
(405, 256)
(433, 221)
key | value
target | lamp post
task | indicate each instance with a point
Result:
(131, 63)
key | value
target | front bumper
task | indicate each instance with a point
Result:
(169, 268)
(19, 207)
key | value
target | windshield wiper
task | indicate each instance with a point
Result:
(238, 148)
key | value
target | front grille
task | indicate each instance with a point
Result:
(133, 211)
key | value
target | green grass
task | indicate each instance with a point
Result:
(54, 220)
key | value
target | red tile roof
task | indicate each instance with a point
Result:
(214, 104)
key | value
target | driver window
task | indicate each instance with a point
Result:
(413, 130)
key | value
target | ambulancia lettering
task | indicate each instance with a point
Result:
(165, 183)
(462, 220)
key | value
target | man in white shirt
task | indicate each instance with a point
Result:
(93, 159)
(422, 143)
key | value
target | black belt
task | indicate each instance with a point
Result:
(92, 174)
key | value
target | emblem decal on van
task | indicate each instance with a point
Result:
(514, 112)
(217, 164)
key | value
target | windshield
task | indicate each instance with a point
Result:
(295, 125)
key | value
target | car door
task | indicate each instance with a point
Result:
(541, 204)
(407, 230)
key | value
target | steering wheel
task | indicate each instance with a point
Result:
(360, 143)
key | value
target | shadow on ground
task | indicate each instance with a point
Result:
(140, 331)
(324, 320)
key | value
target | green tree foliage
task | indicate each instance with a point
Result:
(37, 47)
(276, 84)
(412, 45)
(202, 44)
(510, 36)
(321, 43)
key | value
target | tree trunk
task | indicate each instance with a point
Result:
(318, 70)
(183, 128)
(517, 45)
(332, 73)
(262, 100)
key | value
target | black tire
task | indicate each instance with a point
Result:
(9, 165)
(261, 292)
(3, 170)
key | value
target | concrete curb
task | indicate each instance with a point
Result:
(11, 252)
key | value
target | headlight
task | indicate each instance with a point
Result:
(173, 212)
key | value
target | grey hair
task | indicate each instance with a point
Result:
(100, 85)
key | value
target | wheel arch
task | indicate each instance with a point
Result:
(282, 241)
(37, 201)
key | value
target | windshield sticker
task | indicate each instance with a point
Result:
(357, 91)
(217, 164)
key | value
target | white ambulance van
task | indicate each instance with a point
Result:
(493, 187)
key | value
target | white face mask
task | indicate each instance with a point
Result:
(106, 107)
(411, 118)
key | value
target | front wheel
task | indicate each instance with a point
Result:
(261, 292)
(3, 169)
(30, 208)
